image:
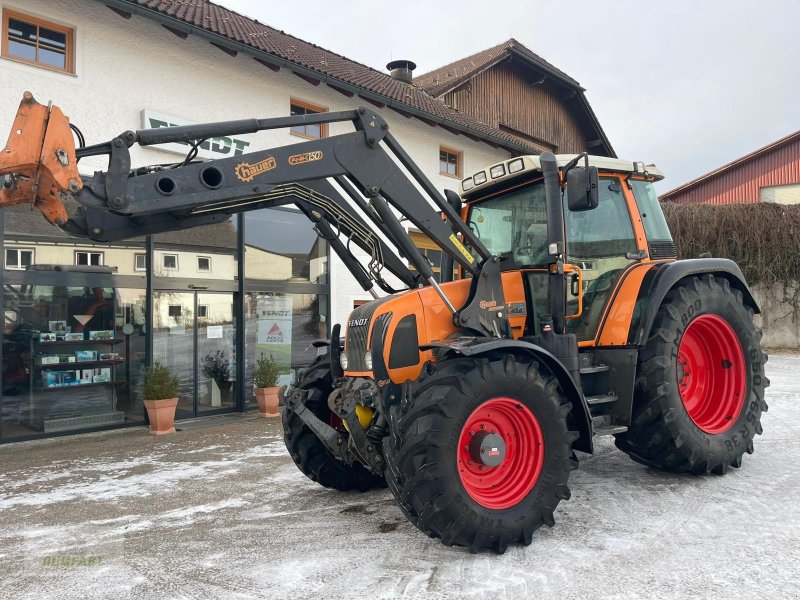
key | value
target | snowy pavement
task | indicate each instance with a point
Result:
(223, 513)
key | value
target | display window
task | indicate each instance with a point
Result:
(72, 358)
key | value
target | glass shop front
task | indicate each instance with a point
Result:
(82, 321)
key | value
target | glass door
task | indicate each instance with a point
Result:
(173, 343)
(216, 352)
(194, 336)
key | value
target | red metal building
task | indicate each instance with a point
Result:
(770, 174)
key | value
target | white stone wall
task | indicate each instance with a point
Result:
(124, 66)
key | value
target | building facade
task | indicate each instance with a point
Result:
(769, 174)
(83, 320)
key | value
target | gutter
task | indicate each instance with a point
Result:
(219, 40)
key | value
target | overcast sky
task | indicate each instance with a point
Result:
(687, 85)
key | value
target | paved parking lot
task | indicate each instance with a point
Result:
(221, 512)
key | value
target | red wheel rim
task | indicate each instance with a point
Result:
(508, 483)
(711, 373)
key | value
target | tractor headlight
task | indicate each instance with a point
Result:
(368, 360)
(467, 184)
(343, 360)
(497, 171)
(479, 177)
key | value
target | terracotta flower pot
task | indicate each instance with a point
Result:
(162, 415)
(267, 399)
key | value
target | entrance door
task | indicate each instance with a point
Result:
(194, 336)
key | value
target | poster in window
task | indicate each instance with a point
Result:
(274, 332)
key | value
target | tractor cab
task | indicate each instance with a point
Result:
(505, 206)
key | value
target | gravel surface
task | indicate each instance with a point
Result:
(222, 512)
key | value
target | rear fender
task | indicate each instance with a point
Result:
(665, 276)
(473, 347)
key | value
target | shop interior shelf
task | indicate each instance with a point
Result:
(61, 388)
(80, 364)
(73, 342)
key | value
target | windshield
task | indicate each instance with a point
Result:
(514, 223)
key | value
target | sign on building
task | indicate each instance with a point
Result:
(274, 331)
(217, 147)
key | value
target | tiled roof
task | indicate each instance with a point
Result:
(445, 78)
(329, 66)
(25, 222)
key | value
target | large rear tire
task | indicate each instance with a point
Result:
(480, 451)
(308, 452)
(699, 391)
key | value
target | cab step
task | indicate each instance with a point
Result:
(592, 369)
(602, 399)
(602, 425)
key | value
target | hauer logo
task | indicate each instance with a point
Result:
(246, 171)
(299, 159)
(358, 322)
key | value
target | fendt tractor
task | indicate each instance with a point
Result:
(560, 312)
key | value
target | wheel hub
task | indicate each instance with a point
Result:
(500, 453)
(488, 449)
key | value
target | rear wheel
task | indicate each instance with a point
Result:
(308, 452)
(480, 451)
(699, 390)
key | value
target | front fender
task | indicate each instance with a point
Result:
(475, 346)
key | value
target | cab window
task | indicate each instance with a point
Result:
(514, 223)
(599, 242)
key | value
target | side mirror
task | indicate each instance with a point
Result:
(583, 192)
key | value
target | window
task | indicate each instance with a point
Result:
(170, 262)
(601, 242)
(175, 310)
(312, 132)
(94, 259)
(429, 250)
(449, 162)
(202, 311)
(204, 263)
(18, 258)
(39, 42)
(139, 262)
(655, 225)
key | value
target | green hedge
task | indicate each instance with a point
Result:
(764, 238)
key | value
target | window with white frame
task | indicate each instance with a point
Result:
(139, 262)
(202, 311)
(204, 264)
(94, 259)
(19, 258)
(170, 262)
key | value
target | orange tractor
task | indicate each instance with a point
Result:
(560, 312)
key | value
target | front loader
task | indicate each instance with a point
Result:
(560, 312)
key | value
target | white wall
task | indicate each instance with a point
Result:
(124, 66)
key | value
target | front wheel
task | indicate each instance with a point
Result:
(699, 391)
(480, 452)
(307, 451)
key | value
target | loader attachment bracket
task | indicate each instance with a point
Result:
(38, 161)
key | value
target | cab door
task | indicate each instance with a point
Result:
(601, 243)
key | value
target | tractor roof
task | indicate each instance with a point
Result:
(513, 168)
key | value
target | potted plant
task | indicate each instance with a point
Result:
(217, 368)
(161, 398)
(265, 378)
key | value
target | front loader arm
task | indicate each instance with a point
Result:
(368, 164)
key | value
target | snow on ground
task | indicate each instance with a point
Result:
(223, 513)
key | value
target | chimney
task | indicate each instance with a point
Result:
(400, 70)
